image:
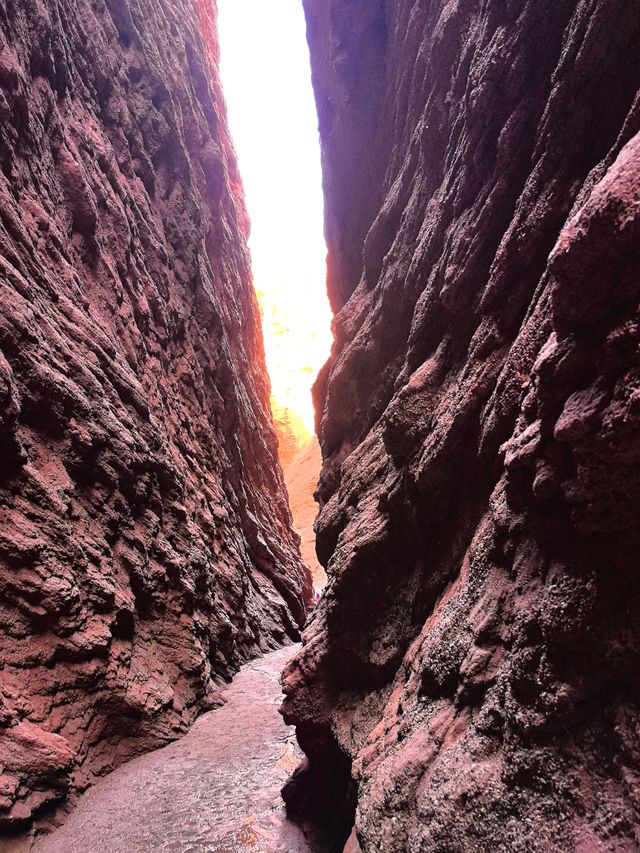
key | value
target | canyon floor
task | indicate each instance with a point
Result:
(215, 790)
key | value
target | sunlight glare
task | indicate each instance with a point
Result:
(267, 82)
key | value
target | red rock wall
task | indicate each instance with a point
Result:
(300, 477)
(474, 663)
(145, 541)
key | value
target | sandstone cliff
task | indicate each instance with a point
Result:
(145, 540)
(474, 665)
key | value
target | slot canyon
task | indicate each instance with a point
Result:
(469, 680)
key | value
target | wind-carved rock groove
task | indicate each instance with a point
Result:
(471, 676)
(146, 548)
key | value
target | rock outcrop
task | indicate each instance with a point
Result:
(471, 677)
(146, 548)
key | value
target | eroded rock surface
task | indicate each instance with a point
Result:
(215, 790)
(146, 549)
(471, 676)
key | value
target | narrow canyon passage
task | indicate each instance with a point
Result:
(282, 180)
(469, 679)
(216, 789)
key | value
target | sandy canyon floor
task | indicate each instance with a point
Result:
(215, 790)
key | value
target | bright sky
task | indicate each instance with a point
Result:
(267, 83)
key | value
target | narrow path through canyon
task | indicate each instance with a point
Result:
(215, 790)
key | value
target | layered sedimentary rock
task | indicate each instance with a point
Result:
(146, 547)
(471, 678)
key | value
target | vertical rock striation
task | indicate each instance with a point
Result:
(472, 674)
(146, 548)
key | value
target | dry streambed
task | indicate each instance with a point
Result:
(215, 790)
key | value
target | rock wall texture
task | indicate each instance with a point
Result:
(471, 676)
(146, 548)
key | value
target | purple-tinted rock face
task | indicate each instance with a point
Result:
(471, 676)
(145, 540)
